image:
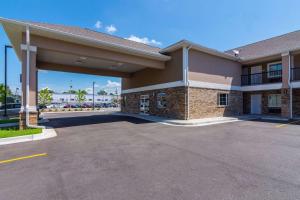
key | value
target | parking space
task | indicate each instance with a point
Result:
(102, 156)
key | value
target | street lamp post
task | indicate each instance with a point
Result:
(94, 95)
(70, 95)
(5, 79)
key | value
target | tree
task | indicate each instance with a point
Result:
(80, 96)
(2, 92)
(102, 92)
(45, 96)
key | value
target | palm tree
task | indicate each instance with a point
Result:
(80, 96)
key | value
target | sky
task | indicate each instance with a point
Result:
(218, 24)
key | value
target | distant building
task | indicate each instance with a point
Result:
(59, 98)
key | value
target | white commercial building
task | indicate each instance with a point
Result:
(58, 98)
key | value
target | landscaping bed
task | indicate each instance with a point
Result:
(14, 132)
(6, 121)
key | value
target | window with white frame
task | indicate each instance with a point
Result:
(274, 70)
(223, 99)
(161, 100)
(274, 101)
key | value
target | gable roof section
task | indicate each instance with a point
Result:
(269, 47)
(97, 38)
(192, 45)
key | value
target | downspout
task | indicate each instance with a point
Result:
(27, 110)
(291, 89)
(186, 76)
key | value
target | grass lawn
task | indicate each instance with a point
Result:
(5, 121)
(14, 131)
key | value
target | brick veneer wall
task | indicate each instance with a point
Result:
(33, 119)
(176, 106)
(204, 103)
(265, 110)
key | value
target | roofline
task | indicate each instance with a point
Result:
(104, 43)
(186, 43)
(263, 40)
(249, 60)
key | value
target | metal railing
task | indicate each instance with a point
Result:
(295, 74)
(262, 78)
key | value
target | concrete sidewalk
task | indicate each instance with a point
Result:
(203, 121)
(191, 122)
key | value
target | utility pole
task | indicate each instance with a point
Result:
(5, 79)
(70, 94)
(94, 95)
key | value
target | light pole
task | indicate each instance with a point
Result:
(94, 95)
(5, 78)
(70, 94)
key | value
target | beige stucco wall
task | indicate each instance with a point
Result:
(209, 68)
(146, 77)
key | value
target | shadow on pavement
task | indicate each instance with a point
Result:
(61, 122)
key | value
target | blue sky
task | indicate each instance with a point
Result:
(219, 24)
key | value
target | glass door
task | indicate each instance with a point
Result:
(144, 104)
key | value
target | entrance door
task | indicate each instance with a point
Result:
(256, 76)
(144, 104)
(256, 104)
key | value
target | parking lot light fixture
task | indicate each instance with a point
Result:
(93, 95)
(5, 79)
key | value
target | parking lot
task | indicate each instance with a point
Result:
(102, 156)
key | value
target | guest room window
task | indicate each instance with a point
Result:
(222, 99)
(274, 70)
(274, 101)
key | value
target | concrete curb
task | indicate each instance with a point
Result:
(46, 133)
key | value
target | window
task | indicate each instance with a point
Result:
(161, 100)
(72, 99)
(274, 101)
(274, 70)
(222, 99)
(90, 99)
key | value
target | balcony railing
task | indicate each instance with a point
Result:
(262, 78)
(295, 75)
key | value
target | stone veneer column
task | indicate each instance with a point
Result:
(32, 107)
(285, 90)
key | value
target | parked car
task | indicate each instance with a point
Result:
(42, 107)
(69, 106)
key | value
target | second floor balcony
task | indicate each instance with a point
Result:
(262, 78)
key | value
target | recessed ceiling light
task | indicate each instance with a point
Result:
(82, 58)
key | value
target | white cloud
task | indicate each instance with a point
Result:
(111, 29)
(144, 40)
(89, 90)
(112, 84)
(98, 24)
